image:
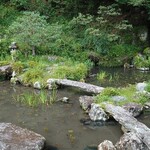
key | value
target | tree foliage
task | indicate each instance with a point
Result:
(29, 31)
(101, 31)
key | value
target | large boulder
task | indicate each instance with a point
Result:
(86, 101)
(129, 141)
(106, 145)
(13, 137)
(6, 70)
(97, 114)
(133, 108)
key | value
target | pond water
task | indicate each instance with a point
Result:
(57, 121)
(54, 122)
(118, 77)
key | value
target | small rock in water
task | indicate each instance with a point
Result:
(64, 100)
(106, 145)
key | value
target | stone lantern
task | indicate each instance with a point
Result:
(13, 50)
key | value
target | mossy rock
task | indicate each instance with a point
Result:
(4, 63)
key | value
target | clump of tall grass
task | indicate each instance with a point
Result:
(101, 76)
(34, 100)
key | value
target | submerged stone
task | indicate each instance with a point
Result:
(99, 123)
(106, 145)
(13, 137)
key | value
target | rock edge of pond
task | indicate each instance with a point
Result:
(136, 134)
(16, 138)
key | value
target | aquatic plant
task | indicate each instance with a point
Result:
(53, 96)
(71, 136)
(116, 76)
(35, 99)
(102, 76)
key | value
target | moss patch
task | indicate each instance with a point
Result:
(43, 68)
(128, 92)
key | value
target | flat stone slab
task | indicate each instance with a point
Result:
(13, 137)
(130, 123)
(81, 85)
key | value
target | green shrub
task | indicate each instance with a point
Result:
(140, 61)
(32, 64)
(110, 91)
(74, 72)
(102, 98)
(4, 50)
(147, 51)
(100, 32)
(106, 95)
(123, 50)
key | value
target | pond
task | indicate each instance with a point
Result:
(57, 121)
(54, 122)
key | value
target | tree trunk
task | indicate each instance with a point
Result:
(33, 50)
